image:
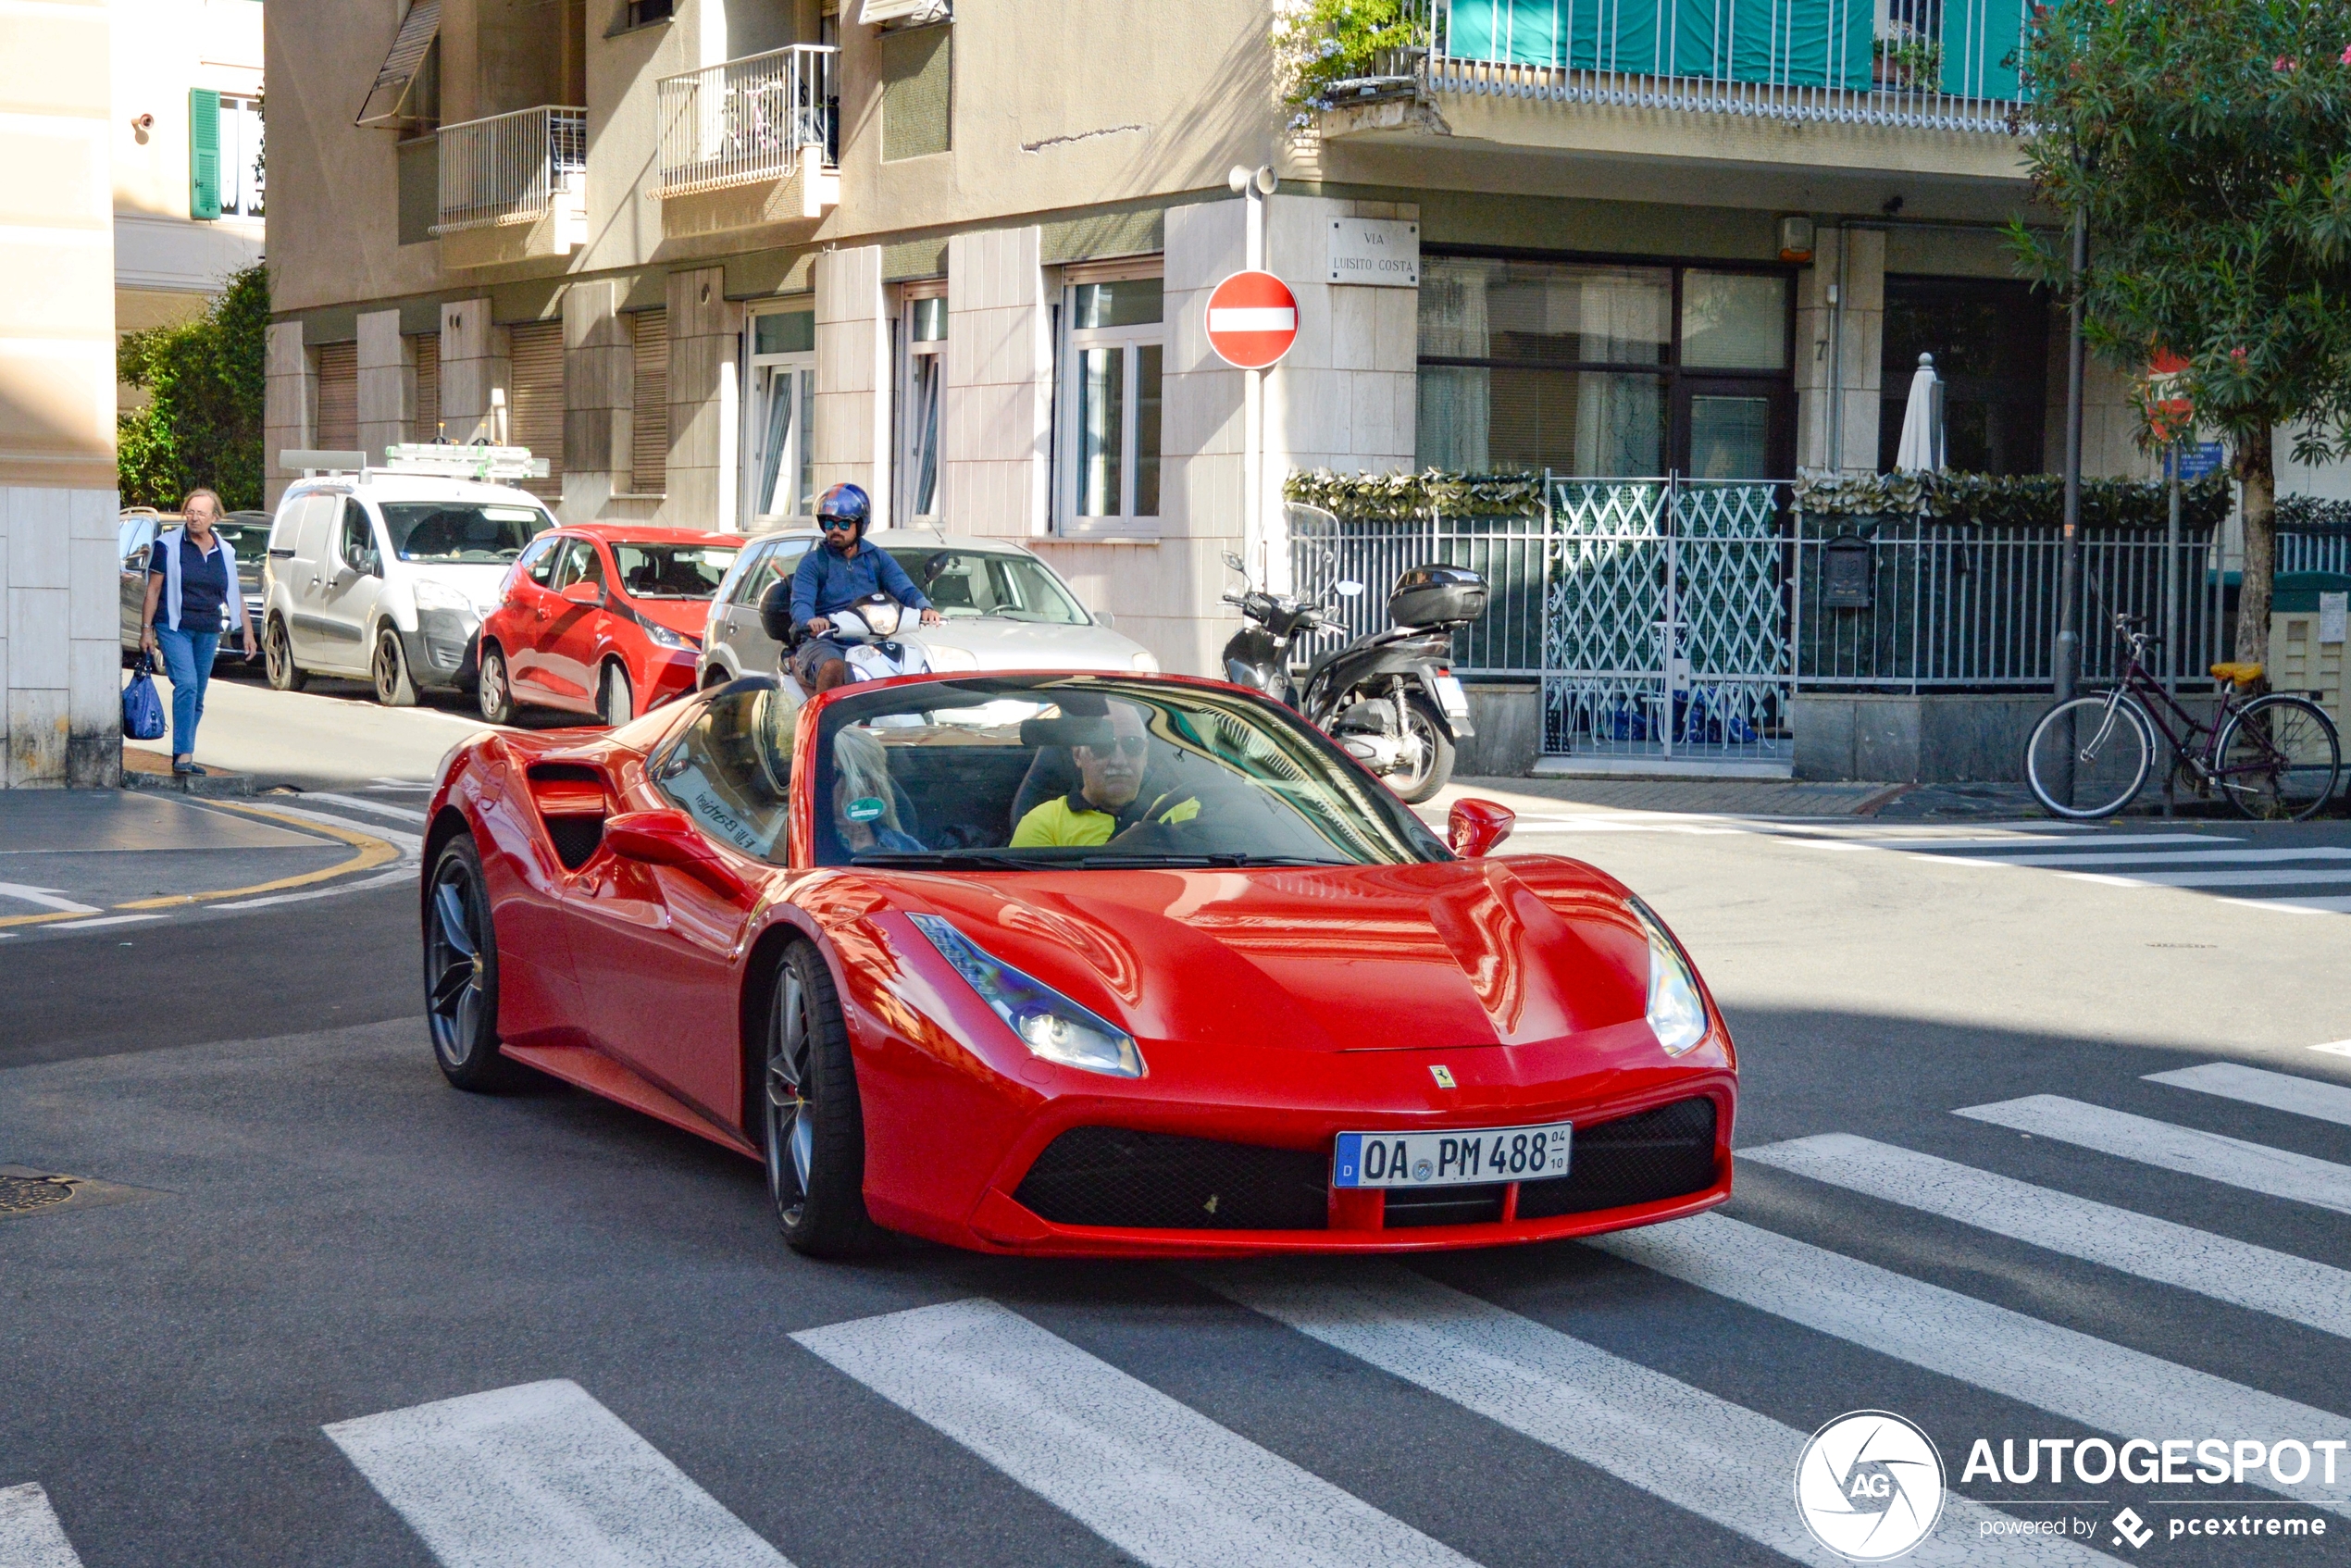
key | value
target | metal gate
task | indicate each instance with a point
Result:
(1665, 633)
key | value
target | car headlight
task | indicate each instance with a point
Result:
(433, 595)
(1048, 1023)
(944, 659)
(1146, 664)
(664, 637)
(1676, 1011)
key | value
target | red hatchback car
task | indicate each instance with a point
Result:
(602, 620)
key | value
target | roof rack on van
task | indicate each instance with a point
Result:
(489, 465)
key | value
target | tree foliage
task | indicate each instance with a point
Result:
(2208, 143)
(202, 425)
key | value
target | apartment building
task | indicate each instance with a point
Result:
(709, 256)
(186, 151)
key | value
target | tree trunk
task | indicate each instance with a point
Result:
(2257, 473)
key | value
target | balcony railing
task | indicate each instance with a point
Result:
(748, 120)
(1943, 65)
(511, 168)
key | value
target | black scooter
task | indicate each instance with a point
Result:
(1388, 698)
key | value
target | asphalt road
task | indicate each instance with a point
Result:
(225, 1364)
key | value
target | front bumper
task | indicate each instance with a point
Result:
(444, 652)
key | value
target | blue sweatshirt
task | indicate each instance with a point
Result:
(826, 581)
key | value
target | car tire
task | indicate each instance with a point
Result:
(277, 650)
(461, 973)
(495, 693)
(813, 1129)
(1436, 754)
(615, 699)
(388, 670)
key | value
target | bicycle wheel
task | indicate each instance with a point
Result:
(2280, 758)
(2086, 759)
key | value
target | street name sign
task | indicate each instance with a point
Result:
(1252, 320)
(1375, 250)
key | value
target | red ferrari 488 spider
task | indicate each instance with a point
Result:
(1069, 965)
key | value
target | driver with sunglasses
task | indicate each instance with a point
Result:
(1108, 800)
(830, 580)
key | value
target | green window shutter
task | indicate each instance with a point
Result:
(203, 152)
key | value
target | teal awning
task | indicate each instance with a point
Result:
(1778, 42)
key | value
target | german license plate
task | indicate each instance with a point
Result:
(1451, 1159)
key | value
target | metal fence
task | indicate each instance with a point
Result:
(510, 168)
(1508, 552)
(2324, 549)
(748, 120)
(1938, 65)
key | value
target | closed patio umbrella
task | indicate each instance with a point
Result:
(1921, 448)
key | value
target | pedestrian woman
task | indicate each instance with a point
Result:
(190, 574)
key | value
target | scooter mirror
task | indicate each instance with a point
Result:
(1236, 563)
(1348, 587)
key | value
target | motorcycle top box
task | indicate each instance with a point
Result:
(1436, 595)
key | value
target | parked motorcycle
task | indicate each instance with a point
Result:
(1388, 698)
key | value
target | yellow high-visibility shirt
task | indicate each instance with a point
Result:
(1072, 821)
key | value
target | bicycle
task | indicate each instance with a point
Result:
(2275, 757)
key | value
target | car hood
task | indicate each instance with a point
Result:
(1444, 954)
(687, 615)
(479, 582)
(1004, 644)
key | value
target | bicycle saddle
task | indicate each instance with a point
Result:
(2244, 675)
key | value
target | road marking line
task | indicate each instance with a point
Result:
(2218, 1266)
(2335, 1048)
(108, 920)
(2294, 906)
(406, 813)
(2175, 857)
(382, 781)
(2279, 1091)
(2255, 1167)
(1153, 1477)
(1921, 846)
(2214, 879)
(30, 1535)
(369, 841)
(47, 898)
(540, 1475)
(1720, 1461)
(340, 826)
(406, 871)
(2068, 1373)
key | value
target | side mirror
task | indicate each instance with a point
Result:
(1476, 828)
(584, 593)
(1105, 619)
(1347, 588)
(1236, 563)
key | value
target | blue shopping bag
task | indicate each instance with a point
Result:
(142, 709)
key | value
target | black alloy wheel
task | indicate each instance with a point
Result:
(390, 671)
(495, 693)
(814, 1128)
(277, 652)
(461, 973)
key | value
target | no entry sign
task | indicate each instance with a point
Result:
(1252, 319)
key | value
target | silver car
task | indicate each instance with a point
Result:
(1004, 609)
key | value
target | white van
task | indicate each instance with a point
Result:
(385, 576)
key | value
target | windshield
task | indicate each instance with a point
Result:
(464, 531)
(672, 571)
(1001, 584)
(1032, 772)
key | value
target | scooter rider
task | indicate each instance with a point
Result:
(835, 577)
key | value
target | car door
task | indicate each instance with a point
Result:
(351, 583)
(755, 652)
(654, 946)
(566, 641)
(530, 604)
(137, 538)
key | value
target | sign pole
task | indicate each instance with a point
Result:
(1254, 187)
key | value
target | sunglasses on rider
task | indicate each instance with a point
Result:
(1125, 746)
(833, 524)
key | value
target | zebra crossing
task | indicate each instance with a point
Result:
(2309, 877)
(544, 1473)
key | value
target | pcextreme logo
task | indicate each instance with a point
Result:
(1870, 1486)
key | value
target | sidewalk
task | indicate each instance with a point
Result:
(75, 859)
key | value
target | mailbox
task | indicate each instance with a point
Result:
(1846, 572)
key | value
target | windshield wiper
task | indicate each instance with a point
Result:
(930, 860)
(1226, 860)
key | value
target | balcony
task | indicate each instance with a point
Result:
(751, 143)
(1610, 75)
(514, 187)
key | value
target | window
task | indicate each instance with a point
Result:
(244, 168)
(354, 540)
(461, 532)
(777, 560)
(1111, 400)
(997, 584)
(1990, 339)
(581, 564)
(1602, 369)
(640, 12)
(649, 402)
(779, 457)
(540, 560)
(648, 570)
(731, 769)
(922, 371)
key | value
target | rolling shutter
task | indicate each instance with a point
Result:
(203, 152)
(388, 98)
(428, 427)
(338, 397)
(917, 74)
(649, 440)
(535, 401)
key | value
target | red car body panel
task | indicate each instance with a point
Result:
(556, 649)
(1273, 1006)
